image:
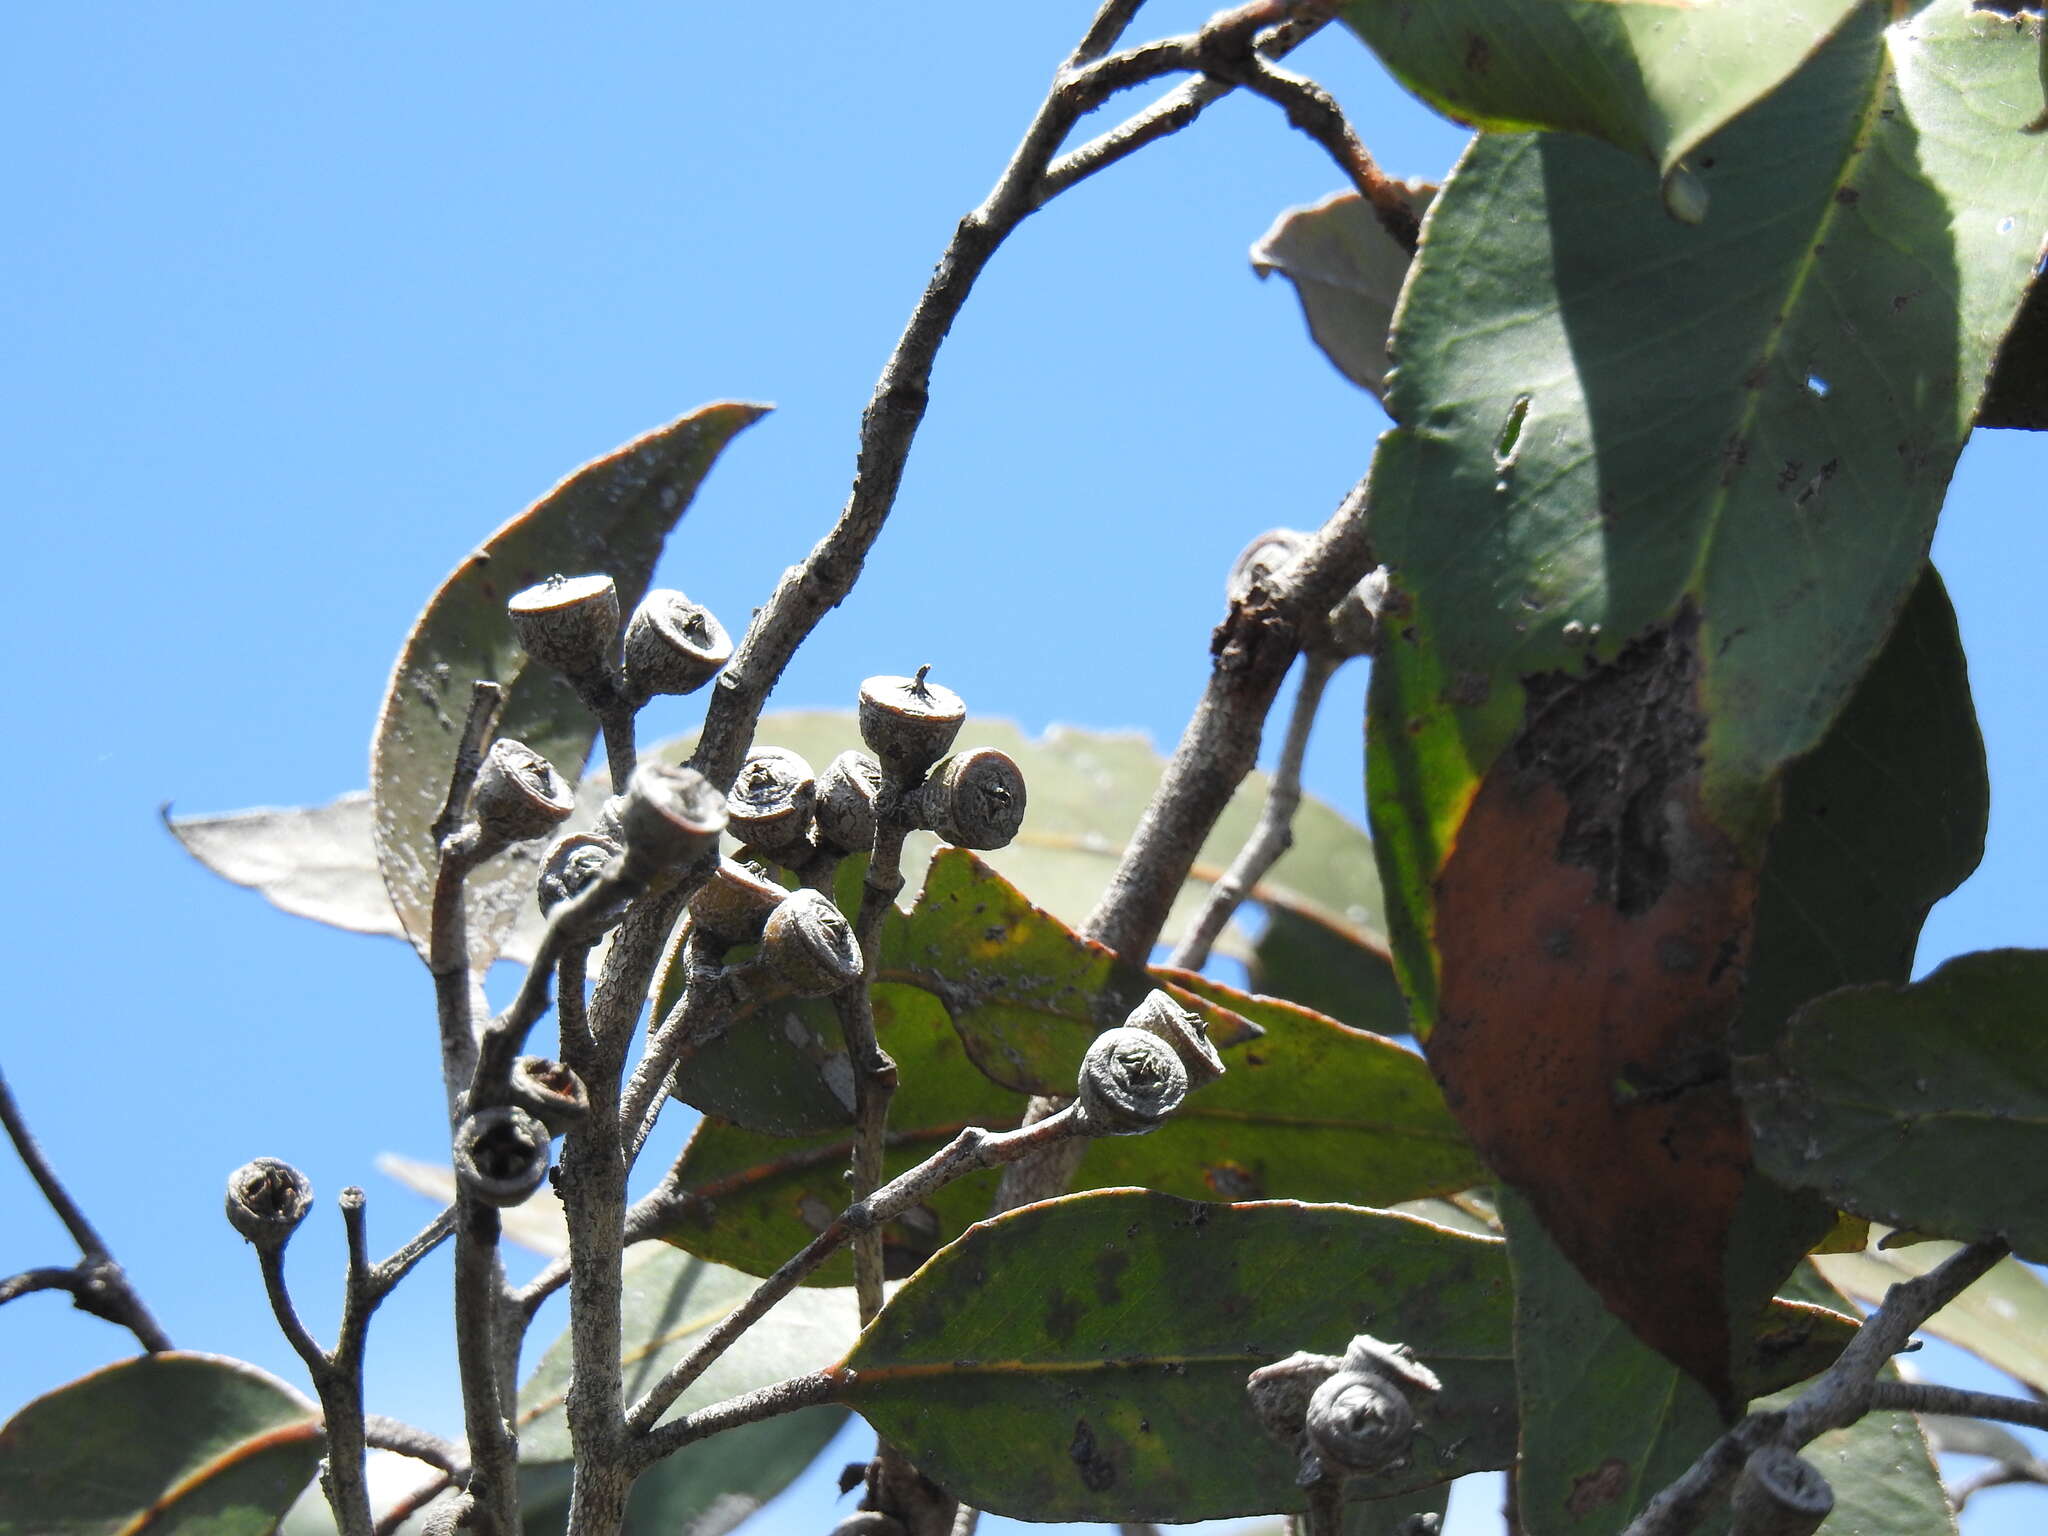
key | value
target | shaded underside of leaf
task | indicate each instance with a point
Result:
(1347, 272)
(164, 1442)
(610, 517)
(1907, 1104)
(311, 861)
(1103, 1341)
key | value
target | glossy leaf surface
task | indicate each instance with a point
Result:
(608, 517)
(1658, 496)
(1909, 1104)
(670, 1299)
(1649, 76)
(1347, 271)
(1103, 1341)
(171, 1442)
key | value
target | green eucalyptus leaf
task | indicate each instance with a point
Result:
(1347, 271)
(173, 1441)
(1309, 1111)
(1312, 1110)
(1901, 1103)
(1102, 1341)
(2002, 1319)
(1022, 989)
(1653, 77)
(670, 1300)
(760, 1198)
(1607, 1422)
(610, 516)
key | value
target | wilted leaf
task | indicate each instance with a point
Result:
(2002, 1319)
(1347, 271)
(610, 516)
(1900, 1103)
(173, 1441)
(1102, 1342)
(670, 1299)
(1650, 76)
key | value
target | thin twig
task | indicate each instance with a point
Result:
(386, 1434)
(1842, 1394)
(750, 1408)
(101, 1286)
(971, 1150)
(1926, 1397)
(479, 1283)
(383, 1277)
(1274, 834)
(459, 848)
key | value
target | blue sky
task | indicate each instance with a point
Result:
(297, 305)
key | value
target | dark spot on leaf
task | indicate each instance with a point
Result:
(1614, 741)
(1603, 1485)
(1789, 474)
(1847, 196)
(1478, 55)
(1820, 479)
(1558, 943)
(1097, 1474)
(1468, 690)
(1110, 1264)
(1062, 1316)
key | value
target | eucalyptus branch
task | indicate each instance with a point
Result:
(1274, 834)
(807, 592)
(493, 1450)
(98, 1284)
(1839, 1397)
(971, 1150)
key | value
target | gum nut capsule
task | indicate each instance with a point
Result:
(909, 722)
(769, 804)
(845, 812)
(673, 645)
(550, 1092)
(981, 799)
(1182, 1029)
(267, 1199)
(1780, 1493)
(1280, 1392)
(501, 1155)
(570, 623)
(732, 907)
(671, 816)
(519, 796)
(810, 945)
(1130, 1081)
(1360, 1423)
(1269, 552)
(572, 864)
